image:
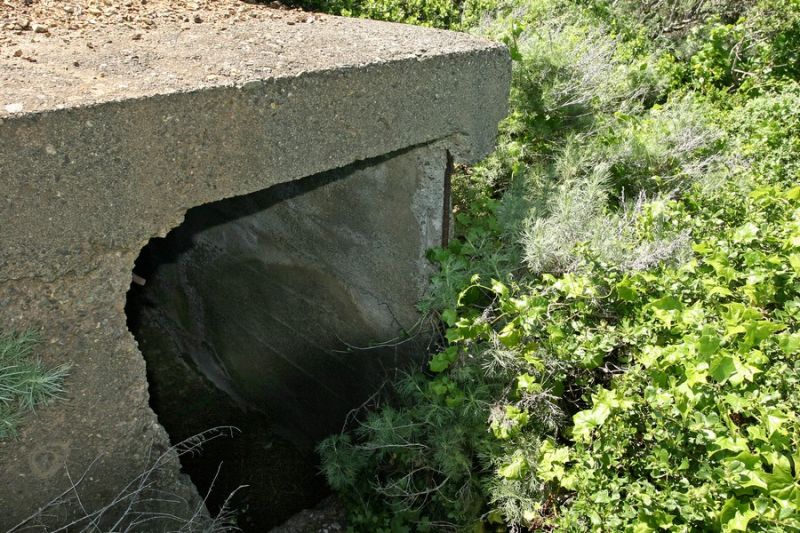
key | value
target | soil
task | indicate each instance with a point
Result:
(26, 21)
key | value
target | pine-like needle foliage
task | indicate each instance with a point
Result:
(24, 381)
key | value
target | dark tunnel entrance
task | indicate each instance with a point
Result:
(255, 313)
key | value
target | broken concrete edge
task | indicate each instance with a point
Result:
(160, 480)
(189, 147)
(289, 271)
(66, 309)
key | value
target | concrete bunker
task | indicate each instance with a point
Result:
(280, 311)
(184, 116)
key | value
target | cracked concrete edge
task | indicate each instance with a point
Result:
(82, 320)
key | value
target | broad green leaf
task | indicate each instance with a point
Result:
(449, 316)
(730, 444)
(499, 288)
(626, 291)
(757, 331)
(588, 420)
(736, 314)
(552, 461)
(736, 515)
(441, 361)
(774, 420)
(781, 485)
(510, 423)
(454, 335)
(526, 382)
(794, 261)
(708, 345)
(592, 359)
(740, 520)
(746, 234)
(789, 343)
(510, 335)
(722, 368)
(668, 303)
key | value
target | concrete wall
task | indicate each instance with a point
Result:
(90, 173)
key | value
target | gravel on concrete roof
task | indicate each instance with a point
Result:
(85, 52)
(44, 16)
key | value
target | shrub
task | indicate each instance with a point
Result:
(451, 14)
(619, 310)
(701, 430)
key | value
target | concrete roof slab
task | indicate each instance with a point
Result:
(116, 149)
(113, 63)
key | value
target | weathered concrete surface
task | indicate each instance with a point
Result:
(110, 153)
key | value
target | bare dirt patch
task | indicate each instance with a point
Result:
(24, 21)
(29, 18)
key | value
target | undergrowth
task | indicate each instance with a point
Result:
(620, 307)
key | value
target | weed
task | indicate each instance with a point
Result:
(24, 381)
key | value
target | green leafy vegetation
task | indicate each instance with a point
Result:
(620, 345)
(24, 381)
(449, 14)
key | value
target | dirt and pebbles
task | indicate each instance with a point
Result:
(23, 21)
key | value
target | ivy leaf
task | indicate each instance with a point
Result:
(774, 420)
(746, 234)
(551, 464)
(626, 291)
(509, 424)
(499, 288)
(526, 382)
(794, 262)
(781, 485)
(668, 303)
(510, 335)
(515, 469)
(757, 331)
(735, 516)
(789, 343)
(592, 359)
(708, 345)
(449, 316)
(574, 286)
(736, 314)
(728, 444)
(454, 335)
(442, 361)
(722, 368)
(589, 419)
(793, 193)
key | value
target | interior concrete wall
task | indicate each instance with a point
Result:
(300, 300)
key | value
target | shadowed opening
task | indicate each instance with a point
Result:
(244, 321)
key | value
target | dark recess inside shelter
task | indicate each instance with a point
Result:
(240, 325)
